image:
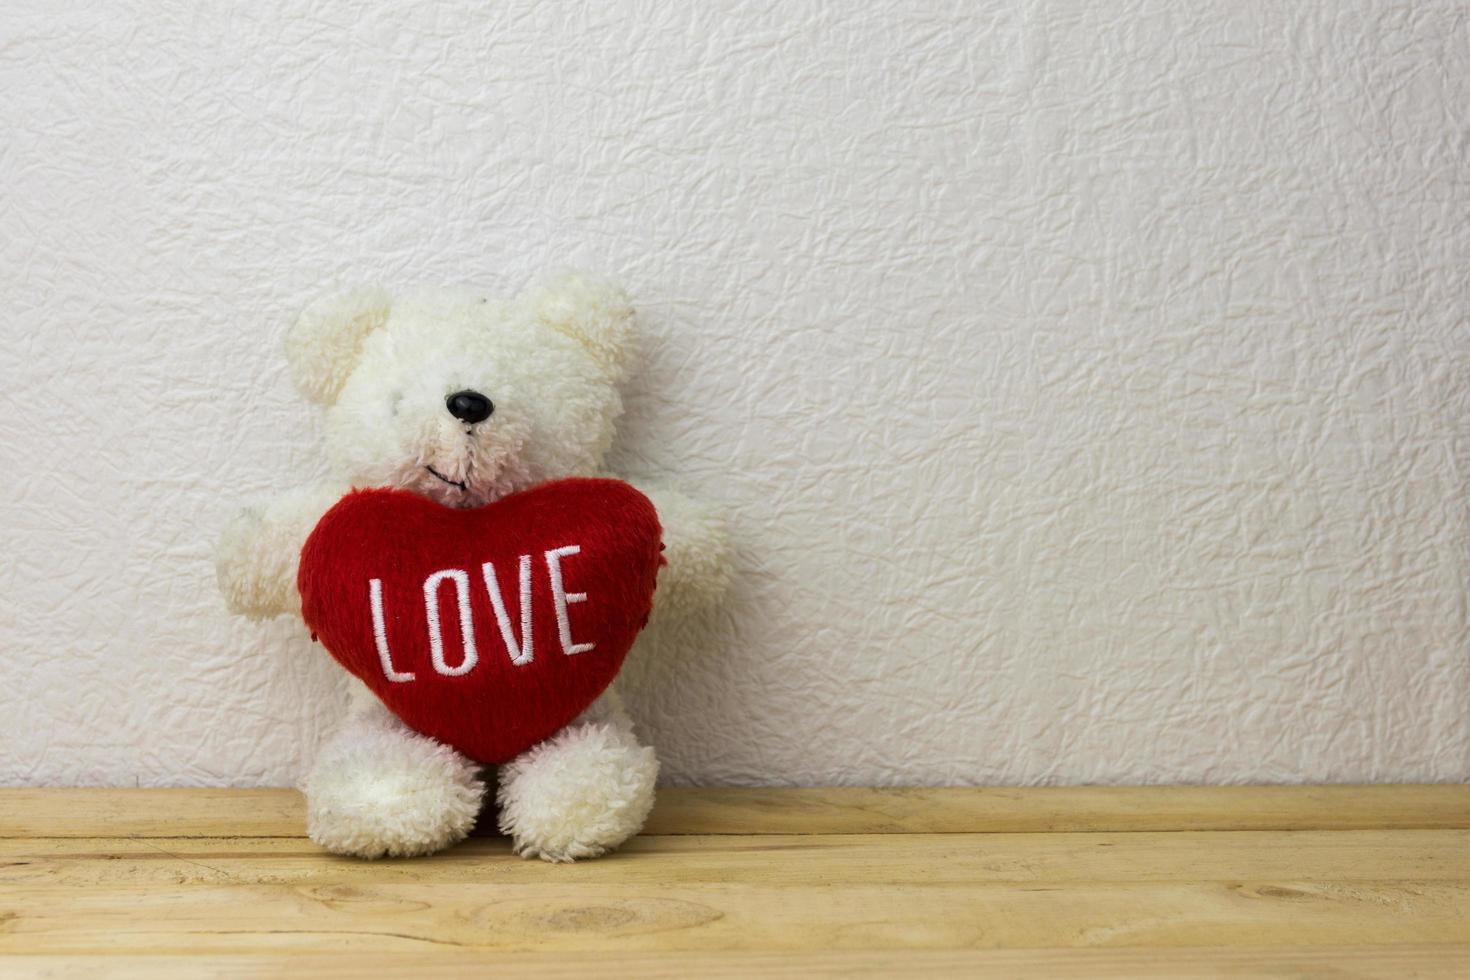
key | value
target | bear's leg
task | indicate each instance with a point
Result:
(378, 789)
(581, 792)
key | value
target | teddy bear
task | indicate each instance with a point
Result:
(465, 400)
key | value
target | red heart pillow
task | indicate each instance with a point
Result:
(487, 629)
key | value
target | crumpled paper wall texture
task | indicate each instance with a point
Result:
(1087, 382)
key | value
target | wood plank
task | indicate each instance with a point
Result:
(279, 813)
(902, 859)
(28, 812)
(1070, 809)
(652, 918)
(746, 898)
(1242, 963)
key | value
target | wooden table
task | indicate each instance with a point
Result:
(1096, 882)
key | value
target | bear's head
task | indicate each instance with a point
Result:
(461, 398)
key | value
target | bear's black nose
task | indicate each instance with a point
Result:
(469, 406)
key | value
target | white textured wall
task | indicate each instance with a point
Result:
(1088, 382)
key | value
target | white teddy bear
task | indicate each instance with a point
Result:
(464, 400)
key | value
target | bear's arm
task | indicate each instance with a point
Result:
(258, 552)
(696, 549)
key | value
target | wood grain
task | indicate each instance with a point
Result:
(1105, 882)
(1192, 963)
(1060, 809)
(280, 812)
(208, 918)
(911, 859)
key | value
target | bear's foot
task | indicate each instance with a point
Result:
(579, 794)
(379, 789)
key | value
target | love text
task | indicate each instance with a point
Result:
(521, 650)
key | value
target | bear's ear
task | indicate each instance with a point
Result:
(593, 312)
(324, 343)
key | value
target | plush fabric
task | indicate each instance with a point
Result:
(385, 575)
(580, 793)
(442, 494)
(381, 790)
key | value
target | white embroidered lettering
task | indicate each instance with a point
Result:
(380, 634)
(466, 622)
(563, 598)
(523, 652)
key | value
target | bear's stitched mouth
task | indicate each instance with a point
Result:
(452, 483)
